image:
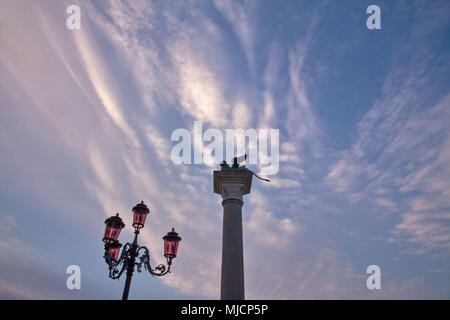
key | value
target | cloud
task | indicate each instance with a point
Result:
(240, 20)
(88, 122)
(98, 76)
(401, 150)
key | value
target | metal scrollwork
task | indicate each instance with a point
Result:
(159, 270)
(116, 268)
(114, 272)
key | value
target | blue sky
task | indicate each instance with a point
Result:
(364, 178)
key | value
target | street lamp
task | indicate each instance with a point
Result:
(132, 252)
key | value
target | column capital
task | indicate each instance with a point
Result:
(232, 184)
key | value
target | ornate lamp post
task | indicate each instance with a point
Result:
(132, 252)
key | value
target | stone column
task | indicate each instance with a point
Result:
(232, 185)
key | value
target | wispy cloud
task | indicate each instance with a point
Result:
(399, 160)
(86, 125)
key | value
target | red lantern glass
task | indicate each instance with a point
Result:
(171, 242)
(140, 212)
(113, 250)
(113, 227)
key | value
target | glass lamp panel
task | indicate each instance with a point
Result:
(111, 234)
(114, 251)
(112, 229)
(170, 248)
(139, 218)
(140, 212)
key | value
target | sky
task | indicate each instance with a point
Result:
(86, 117)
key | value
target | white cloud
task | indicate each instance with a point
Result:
(401, 152)
(99, 78)
(240, 20)
(179, 74)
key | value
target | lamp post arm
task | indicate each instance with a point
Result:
(114, 272)
(159, 270)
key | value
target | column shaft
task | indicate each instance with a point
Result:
(232, 279)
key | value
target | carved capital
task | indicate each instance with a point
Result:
(232, 184)
(232, 191)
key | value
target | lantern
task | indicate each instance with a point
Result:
(140, 213)
(113, 227)
(171, 241)
(113, 250)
